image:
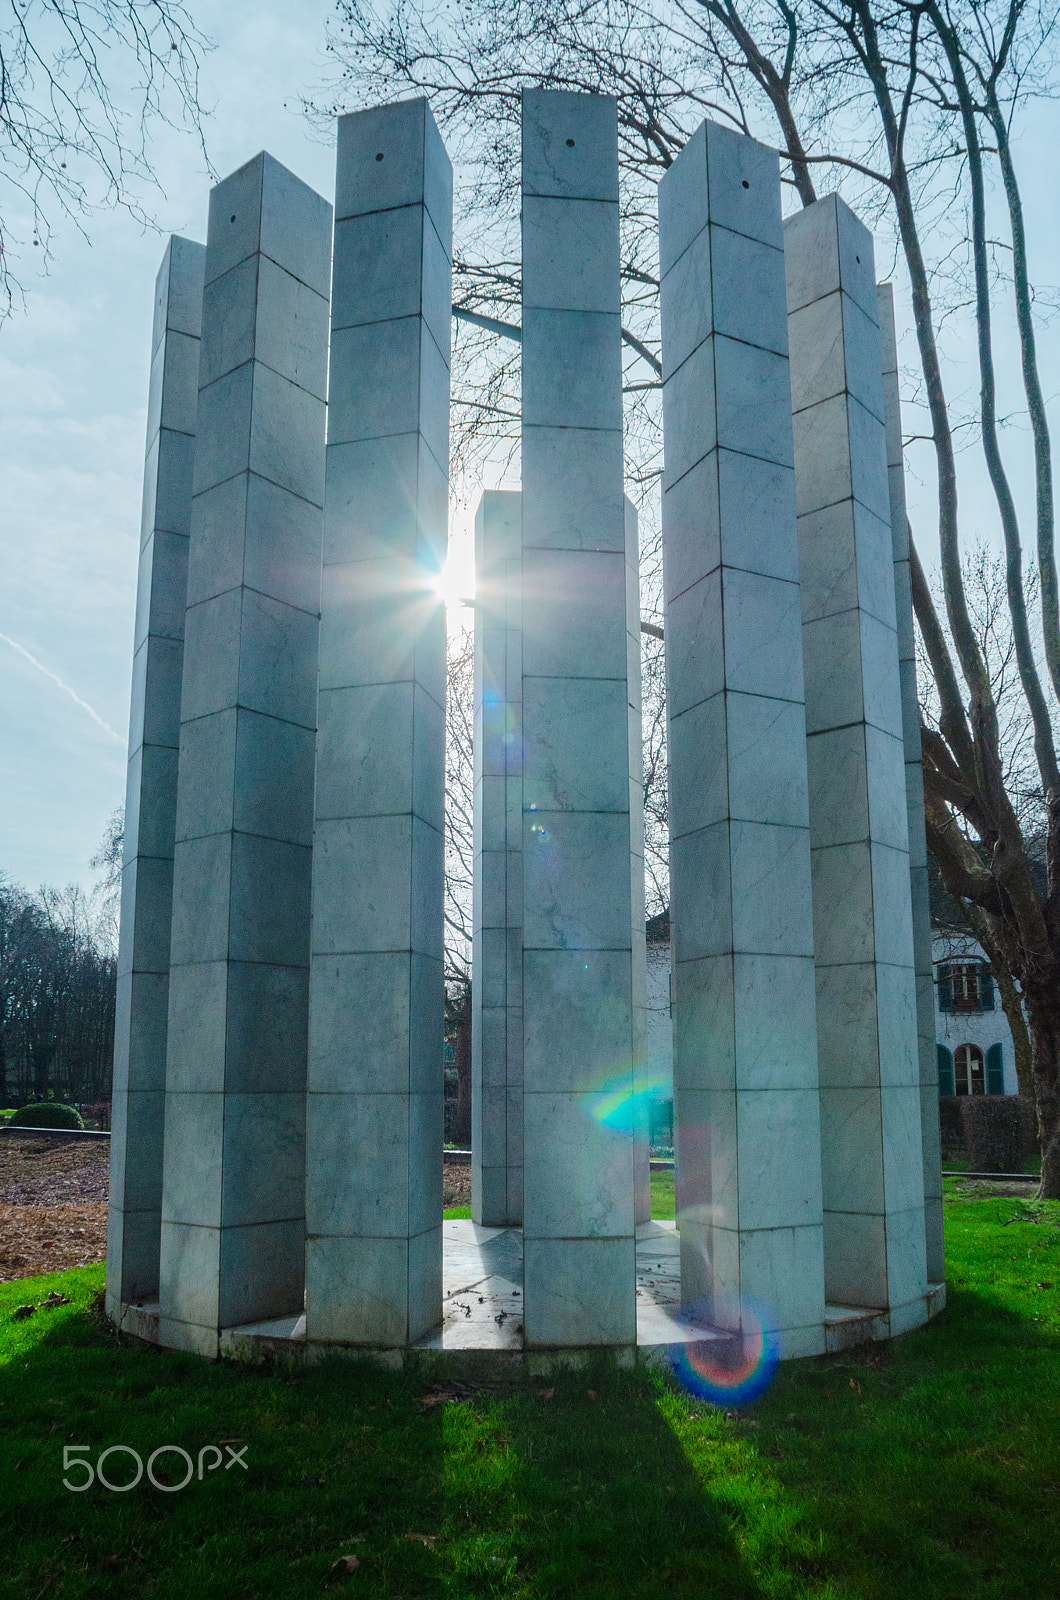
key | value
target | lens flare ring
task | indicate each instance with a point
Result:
(730, 1371)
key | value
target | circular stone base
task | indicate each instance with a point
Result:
(482, 1316)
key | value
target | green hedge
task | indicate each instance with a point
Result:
(49, 1114)
(999, 1132)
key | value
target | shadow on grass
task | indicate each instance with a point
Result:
(437, 1491)
(925, 1468)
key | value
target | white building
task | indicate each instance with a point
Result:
(975, 1050)
(660, 1062)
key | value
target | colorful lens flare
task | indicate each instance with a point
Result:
(729, 1372)
(621, 1103)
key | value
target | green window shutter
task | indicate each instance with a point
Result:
(945, 1069)
(945, 989)
(995, 1073)
(986, 990)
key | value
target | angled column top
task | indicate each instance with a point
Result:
(390, 156)
(570, 145)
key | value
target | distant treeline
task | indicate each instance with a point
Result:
(57, 985)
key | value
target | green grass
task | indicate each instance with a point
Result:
(662, 1199)
(927, 1468)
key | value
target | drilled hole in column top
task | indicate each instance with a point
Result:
(570, 144)
(379, 157)
(232, 218)
(746, 184)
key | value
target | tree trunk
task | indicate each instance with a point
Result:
(1043, 1018)
(462, 1124)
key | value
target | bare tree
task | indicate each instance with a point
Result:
(907, 107)
(57, 990)
(105, 900)
(81, 84)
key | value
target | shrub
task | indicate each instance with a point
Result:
(996, 1129)
(49, 1114)
(99, 1113)
(951, 1129)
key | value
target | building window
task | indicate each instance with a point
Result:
(962, 1071)
(969, 1070)
(965, 986)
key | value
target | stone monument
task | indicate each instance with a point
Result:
(277, 1152)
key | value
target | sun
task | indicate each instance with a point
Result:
(456, 581)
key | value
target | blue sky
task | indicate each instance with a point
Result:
(73, 391)
(73, 386)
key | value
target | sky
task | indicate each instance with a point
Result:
(73, 390)
(73, 393)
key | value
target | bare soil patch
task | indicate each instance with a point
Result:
(456, 1184)
(53, 1204)
(43, 1172)
(52, 1238)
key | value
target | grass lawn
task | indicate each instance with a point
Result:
(926, 1468)
(662, 1198)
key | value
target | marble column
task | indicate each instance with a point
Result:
(233, 1209)
(914, 789)
(642, 1081)
(745, 1059)
(374, 1160)
(578, 1070)
(497, 919)
(871, 1148)
(138, 1110)
(497, 1016)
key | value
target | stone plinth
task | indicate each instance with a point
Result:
(233, 1213)
(866, 995)
(374, 1158)
(745, 1052)
(497, 921)
(138, 1106)
(578, 1077)
(914, 789)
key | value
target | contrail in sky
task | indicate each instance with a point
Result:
(65, 687)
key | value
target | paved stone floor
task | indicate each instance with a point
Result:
(482, 1283)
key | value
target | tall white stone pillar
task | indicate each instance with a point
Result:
(914, 789)
(497, 923)
(642, 1086)
(497, 1016)
(866, 995)
(233, 1211)
(745, 1058)
(578, 1081)
(374, 1167)
(138, 1113)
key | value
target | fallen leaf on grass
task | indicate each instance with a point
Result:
(1043, 1286)
(20, 1313)
(429, 1539)
(591, 1393)
(438, 1397)
(56, 1299)
(345, 1564)
(855, 1385)
(546, 1394)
